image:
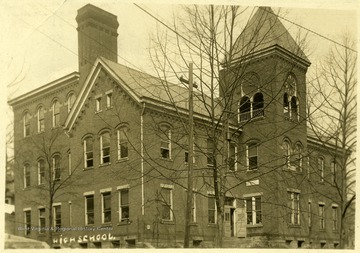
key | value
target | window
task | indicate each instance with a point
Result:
(98, 104)
(258, 105)
(252, 156)
(165, 146)
(333, 172)
(253, 210)
(124, 209)
(232, 157)
(105, 148)
(41, 171)
(291, 106)
(26, 119)
(321, 168)
(334, 217)
(287, 153)
(89, 209)
(122, 143)
(108, 100)
(211, 209)
(88, 152)
(42, 220)
(70, 101)
(294, 108)
(309, 214)
(27, 221)
(245, 108)
(56, 113)
(322, 216)
(298, 159)
(286, 106)
(210, 152)
(27, 174)
(106, 207)
(57, 218)
(40, 114)
(56, 167)
(166, 203)
(294, 206)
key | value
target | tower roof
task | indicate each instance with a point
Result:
(264, 30)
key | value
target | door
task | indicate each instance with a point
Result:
(240, 222)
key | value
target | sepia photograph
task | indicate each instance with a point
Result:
(179, 125)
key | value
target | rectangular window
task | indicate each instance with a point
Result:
(27, 220)
(166, 202)
(124, 209)
(57, 218)
(89, 209)
(56, 114)
(98, 104)
(165, 146)
(334, 218)
(108, 100)
(26, 121)
(322, 216)
(252, 156)
(253, 210)
(41, 126)
(41, 171)
(42, 220)
(294, 206)
(122, 144)
(321, 168)
(211, 209)
(106, 207)
(27, 175)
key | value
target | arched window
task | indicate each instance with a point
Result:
(26, 120)
(41, 171)
(70, 101)
(56, 169)
(321, 165)
(27, 175)
(40, 114)
(122, 139)
(258, 105)
(287, 153)
(291, 104)
(88, 152)
(105, 148)
(245, 108)
(56, 113)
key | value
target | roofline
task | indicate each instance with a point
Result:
(265, 52)
(56, 83)
(323, 144)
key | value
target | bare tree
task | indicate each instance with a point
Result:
(332, 106)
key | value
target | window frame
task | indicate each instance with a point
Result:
(105, 159)
(124, 206)
(122, 140)
(26, 124)
(27, 175)
(335, 217)
(321, 168)
(106, 211)
(41, 174)
(109, 100)
(42, 220)
(89, 213)
(98, 107)
(250, 146)
(294, 206)
(164, 202)
(254, 211)
(212, 219)
(88, 153)
(56, 170)
(56, 113)
(245, 108)
(70, 101)
(165, 144)
(27, 222)
(57, 217)
(41, 119)
(322, 216)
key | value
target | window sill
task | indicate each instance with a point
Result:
(254, 225)
(121, 160)
(124, 223)
(109, 108)
(167, 222)
(294, 225)
(55, 127)
(195, 224)
(96, 112)
(88, 168)
(213, 225)
(166, 159)
(292, 169)
(252, 171)
(41, 132)
(104, 164)
(106, 224)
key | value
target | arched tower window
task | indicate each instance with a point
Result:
(291, 105)
(294, 108)
(258, 105)
(286, 105)
(245, 108)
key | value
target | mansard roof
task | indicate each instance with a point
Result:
(262, 32)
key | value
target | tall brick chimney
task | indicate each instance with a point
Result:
(97, 36)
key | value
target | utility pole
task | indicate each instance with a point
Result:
(189, 199)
